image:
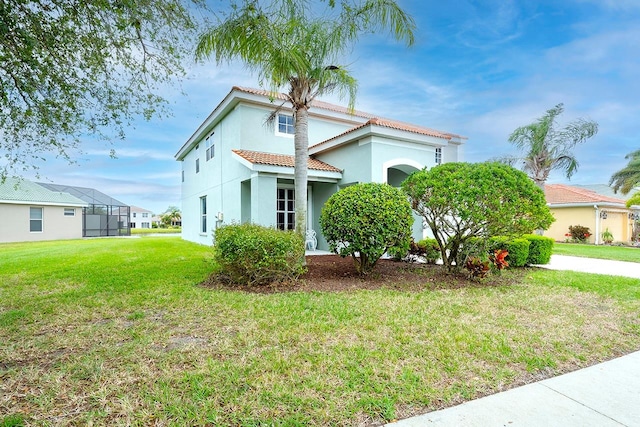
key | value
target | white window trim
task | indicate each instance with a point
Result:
(210, 148)
(41, 219)
(203, 216)
(277, 126)
(69, 212)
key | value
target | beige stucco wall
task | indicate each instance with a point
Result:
(617, 222)
(14, 223)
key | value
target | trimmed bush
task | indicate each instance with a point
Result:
(256, 255)
(579, 233)
(540, 248)
(364, 221)
(430, 250)
(518, 249)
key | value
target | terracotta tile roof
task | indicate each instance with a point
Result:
(562, 194)
(394, 124)
(257, 157)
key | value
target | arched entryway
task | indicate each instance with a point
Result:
(397, 170)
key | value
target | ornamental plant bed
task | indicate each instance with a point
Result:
(333, 273)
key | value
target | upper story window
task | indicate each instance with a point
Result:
(210, 147)
(134, 214)
(197, 165)
(145, 215)
(438, 158)
(285, 124)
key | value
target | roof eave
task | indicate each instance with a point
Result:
(380, 131)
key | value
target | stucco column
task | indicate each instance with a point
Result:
(263, 199)
(597, 231)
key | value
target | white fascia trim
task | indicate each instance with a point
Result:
(312, 174)
(379, 131)
(39, 203)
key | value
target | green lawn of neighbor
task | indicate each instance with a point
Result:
(117, 332)
(619, 253)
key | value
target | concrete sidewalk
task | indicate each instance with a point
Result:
(607, 394)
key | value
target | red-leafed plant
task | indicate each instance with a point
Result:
(499, 259)
(477, 268)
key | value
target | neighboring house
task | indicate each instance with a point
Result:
(140, 218)
(103, 215)
(573, 205)
(236, 168)
(30, 212)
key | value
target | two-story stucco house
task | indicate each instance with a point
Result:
(237, 168)
(140, 217)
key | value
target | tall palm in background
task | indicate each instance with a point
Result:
(547, 148)
(627, 178)
(290, 46)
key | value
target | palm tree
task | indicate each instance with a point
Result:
(627, 178)
(290, 48)
(548, 148)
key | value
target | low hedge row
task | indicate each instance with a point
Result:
(529, 249)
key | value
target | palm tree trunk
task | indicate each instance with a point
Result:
(301, 143)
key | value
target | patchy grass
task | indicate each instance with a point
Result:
(618, 253)
(117, 332)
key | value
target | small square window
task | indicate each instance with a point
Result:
(285, 124)
(69, 212)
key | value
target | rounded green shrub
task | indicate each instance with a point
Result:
(518, 249)
(364, 221)
(256, 255)
(540, 249)
(430, 250)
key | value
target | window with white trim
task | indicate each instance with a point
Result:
(203, 214)
(210, 147)
(145, 225)
(145, 215)
(69, 212)
(35, 220)
(285, 209)
(285, 124)
(438, 158)
(197, 165)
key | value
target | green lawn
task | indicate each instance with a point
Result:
(619, 253)
(117, 332)
(143, 231)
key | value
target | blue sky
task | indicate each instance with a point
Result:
(479, 68)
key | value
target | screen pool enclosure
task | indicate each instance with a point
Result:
(105, 216)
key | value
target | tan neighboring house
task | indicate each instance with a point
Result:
(572, 205)
(31, 212)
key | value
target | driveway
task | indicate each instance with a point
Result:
(593, 265)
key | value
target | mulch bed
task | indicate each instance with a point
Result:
(332, 273)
